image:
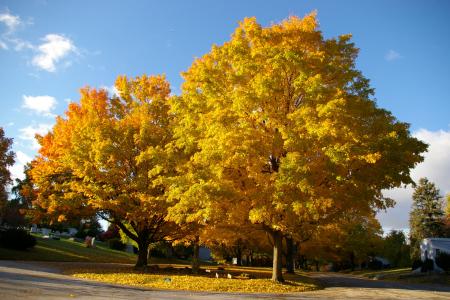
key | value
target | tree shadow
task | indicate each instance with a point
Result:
(349, 281)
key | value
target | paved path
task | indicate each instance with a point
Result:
(28, 280)
(344, 286)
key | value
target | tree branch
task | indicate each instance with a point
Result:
(125, 230)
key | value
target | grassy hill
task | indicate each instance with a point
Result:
(66, 250)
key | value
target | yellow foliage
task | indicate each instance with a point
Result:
(197, 283)
(280, 129)
(110, 155)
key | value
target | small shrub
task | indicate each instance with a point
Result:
(443, 261)
(161, 250)
(92, 232)
(81, 234)
(375, 264)
(17, 239)
(116, 244)
(416, 264)
(428, 265)
(111, 233)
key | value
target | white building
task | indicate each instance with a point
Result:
(431, 247)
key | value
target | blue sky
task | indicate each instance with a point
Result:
(50, 49)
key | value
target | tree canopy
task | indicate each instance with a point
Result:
(107, 156)
(396, 249)
(282, 130)
(275, 130)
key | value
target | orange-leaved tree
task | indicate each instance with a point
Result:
(281, 128)
(108, 156)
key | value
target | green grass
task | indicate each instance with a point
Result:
(405, 275)
(383, 273)
(87, 263)
(70, 251)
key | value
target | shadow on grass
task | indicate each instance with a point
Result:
(351, 281)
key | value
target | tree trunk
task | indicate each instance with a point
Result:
(239, 255)
(277, 274)
(142, 254)
(195, 256)
(290, 255)
(304, 262)
(352, 260)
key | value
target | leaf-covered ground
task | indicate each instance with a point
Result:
(179, 279)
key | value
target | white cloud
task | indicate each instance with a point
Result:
(436, 167)
(17, 169)
(8, 38)
(53, 50)
(392, 55)
(10, 21)
(17, 44)
(42, 105)
(20, 44)
(28, 133)
(51, 53)
(437, 161)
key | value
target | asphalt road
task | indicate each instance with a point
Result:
(30, 280)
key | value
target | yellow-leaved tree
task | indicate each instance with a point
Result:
(348, 241)
(108, 156)
(281, 130)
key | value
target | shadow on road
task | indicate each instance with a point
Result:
(345, 280)
(24, 281)
(20, 280)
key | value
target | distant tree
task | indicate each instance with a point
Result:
(395, 249)
(89, 227)
(231, 241)
(13, 214)
(23, 190)
(6, 160)
(348, 241)
(16, 210)
(427, 215)
(447, 216)
(362, 237)
(447, 208)
(113, 232)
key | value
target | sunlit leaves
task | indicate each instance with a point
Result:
(281, 118)
(199, 283)
(113, 152)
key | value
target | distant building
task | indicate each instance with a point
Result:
(430, 248)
